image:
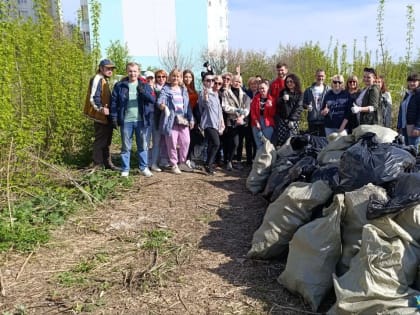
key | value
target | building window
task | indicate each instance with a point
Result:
(209, 3)
(23, 13)
(22, 1)
(221, 22)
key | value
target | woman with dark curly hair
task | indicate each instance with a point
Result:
(289, 109)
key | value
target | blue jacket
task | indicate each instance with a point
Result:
(166, 97)
(413, 110)
(146, 99)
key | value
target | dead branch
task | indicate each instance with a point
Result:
(23, 266)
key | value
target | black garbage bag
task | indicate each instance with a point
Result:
(327, 173)
(368, 161)
(301, 171)
(305, 141)
(276, 184)
(404, 193)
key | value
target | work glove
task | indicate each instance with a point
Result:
(310, 108)
(355, 109)
(371, 109)
(291, 125)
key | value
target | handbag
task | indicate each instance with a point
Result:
(181, 120)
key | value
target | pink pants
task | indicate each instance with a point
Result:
(178, 138)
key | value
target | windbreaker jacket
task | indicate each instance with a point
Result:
(146, 99)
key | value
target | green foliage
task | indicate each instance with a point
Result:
(119, 55)
(155, 239)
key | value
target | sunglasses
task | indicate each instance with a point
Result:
(161, 76)
(337, 82)
(219, 83)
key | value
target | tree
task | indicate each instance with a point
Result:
(119, 55)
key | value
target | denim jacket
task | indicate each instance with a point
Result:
(166, 97)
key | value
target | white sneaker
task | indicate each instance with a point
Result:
(190, 163)
(156, 168)
(124, 174)
(146, 172)
(176, 170)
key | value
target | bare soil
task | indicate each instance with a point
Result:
(98, 262)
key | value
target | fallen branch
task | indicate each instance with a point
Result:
(182, 302)
(87, 195)
(23, 266)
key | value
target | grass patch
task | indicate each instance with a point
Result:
(156, 239)
(29, 221)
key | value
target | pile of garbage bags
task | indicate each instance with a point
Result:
(347, 212)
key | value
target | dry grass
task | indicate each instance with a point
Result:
(104, 261)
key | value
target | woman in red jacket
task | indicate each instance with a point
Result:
(263, 109)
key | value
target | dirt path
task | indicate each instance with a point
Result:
(168, 245)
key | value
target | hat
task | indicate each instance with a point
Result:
(149, 74)
(106, 63)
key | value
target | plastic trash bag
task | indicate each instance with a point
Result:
(368, 161)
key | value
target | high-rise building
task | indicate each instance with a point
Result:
(25, 8)
(158, 29)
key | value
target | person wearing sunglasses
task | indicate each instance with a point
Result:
(368, 102)
(158, 154)
(336, 107)
(352, 86)
(289, 109)
(211, 119)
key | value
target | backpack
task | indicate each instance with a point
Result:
(89, 110)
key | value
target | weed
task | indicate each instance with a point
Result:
(69, 279)
(155, 239)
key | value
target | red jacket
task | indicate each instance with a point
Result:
(269, 111)
(275, 88)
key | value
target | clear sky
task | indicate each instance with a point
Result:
(264, 25)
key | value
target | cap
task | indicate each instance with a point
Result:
(106, 63)
(149, 74)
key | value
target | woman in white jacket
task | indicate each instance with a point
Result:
(235, 104)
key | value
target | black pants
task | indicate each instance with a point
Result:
(101, 144)
(213, 143)
(245, 133)
(231, 142)
(316, 129)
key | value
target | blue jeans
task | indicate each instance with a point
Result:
(414, 141)
(267, 132)
(142, 134)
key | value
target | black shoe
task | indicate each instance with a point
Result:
(238, 166)
(185, 168)
(209, 170)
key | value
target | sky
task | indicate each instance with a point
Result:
(265, 25)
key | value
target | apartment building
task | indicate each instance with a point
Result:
(151, 29)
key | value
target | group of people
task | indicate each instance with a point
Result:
(171, 119)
